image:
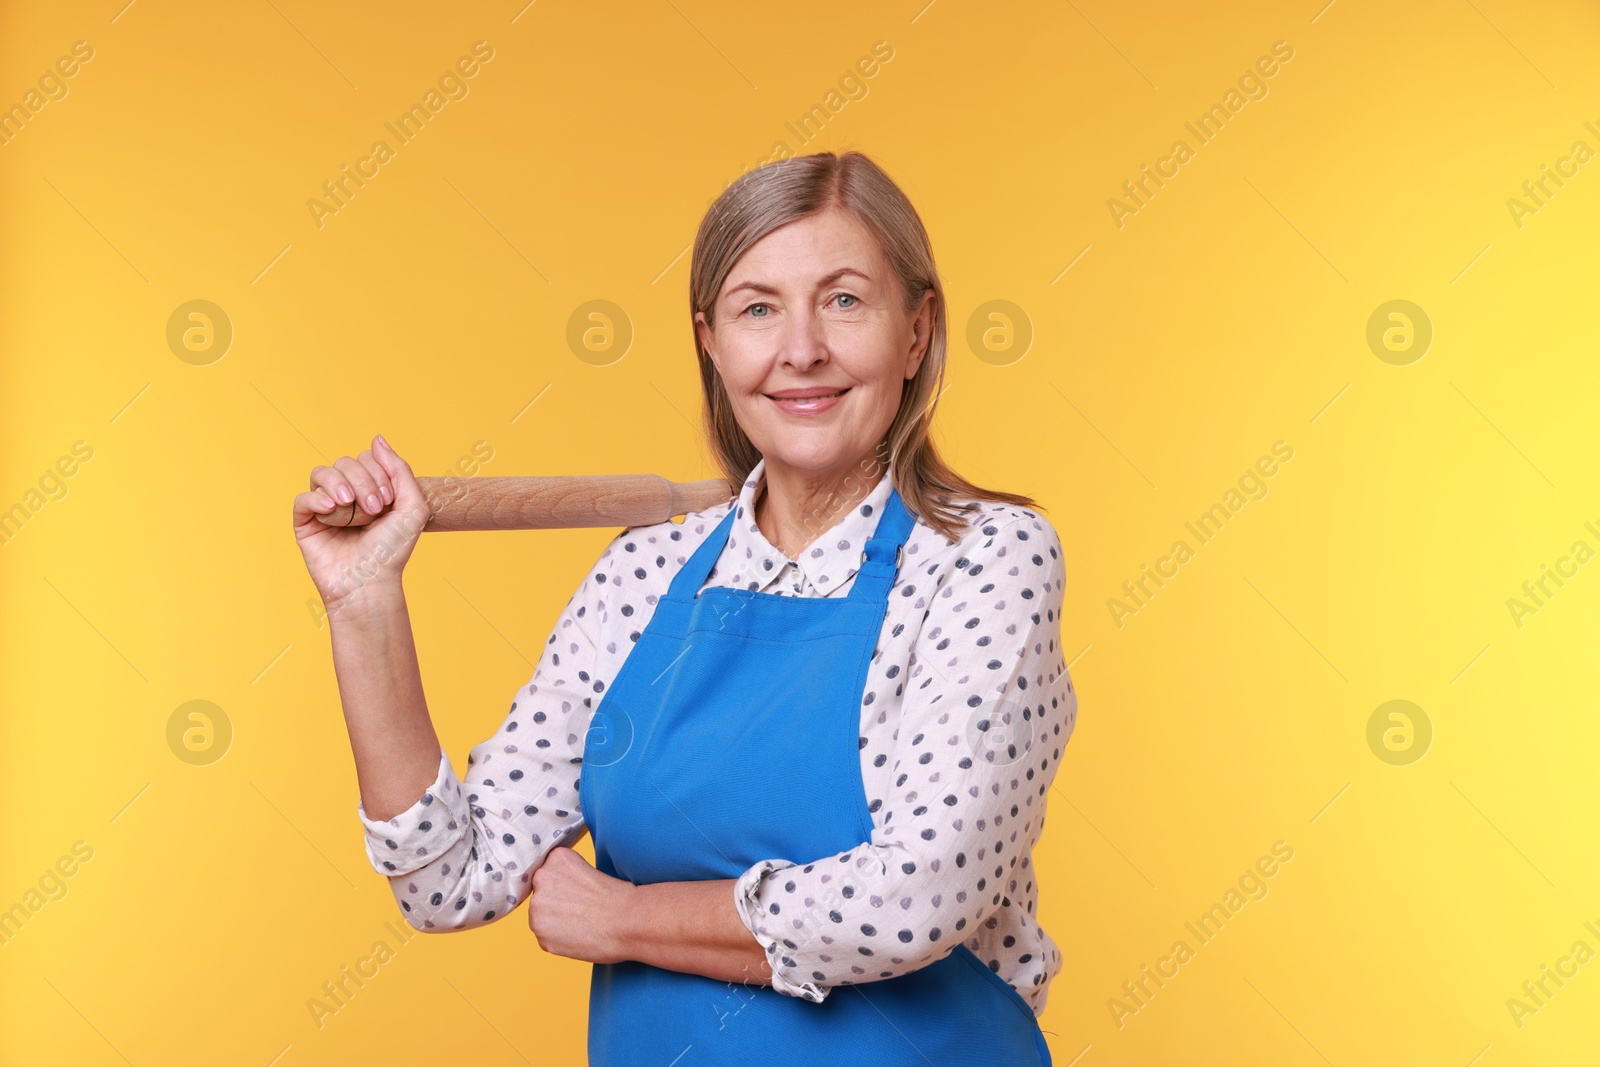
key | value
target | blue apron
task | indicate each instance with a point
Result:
(729, 736)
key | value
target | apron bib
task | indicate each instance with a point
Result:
(729, 736)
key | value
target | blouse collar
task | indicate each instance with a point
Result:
(828, 562)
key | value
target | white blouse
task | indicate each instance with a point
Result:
(967, 706)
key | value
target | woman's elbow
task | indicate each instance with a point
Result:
(949, 891)
(458, 892)
(445, 911)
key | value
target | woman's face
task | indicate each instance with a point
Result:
(814, 307)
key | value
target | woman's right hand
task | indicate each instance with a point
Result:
(345, 561)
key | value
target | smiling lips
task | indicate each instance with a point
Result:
(811, 401)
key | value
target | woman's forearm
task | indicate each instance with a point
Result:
(380, 685)
(692, 927)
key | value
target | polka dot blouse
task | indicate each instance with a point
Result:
(967, 707)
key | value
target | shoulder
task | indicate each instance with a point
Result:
(1007, 560)
(633, 571)
(997, 533)
(635, 552)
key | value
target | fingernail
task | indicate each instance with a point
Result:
(383, 441)
(388, 496)
(344, 494)
(374, 505)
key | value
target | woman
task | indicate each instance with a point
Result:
(816, 725)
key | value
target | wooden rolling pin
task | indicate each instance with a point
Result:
(549, 502)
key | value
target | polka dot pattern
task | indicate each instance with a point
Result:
(967, 707)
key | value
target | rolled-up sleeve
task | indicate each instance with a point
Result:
(463, 854)
(988, 707)
(411, 839)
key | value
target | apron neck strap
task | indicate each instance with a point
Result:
(686, 586)
(880, 557)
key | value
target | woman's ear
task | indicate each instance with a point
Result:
(708, 339)
(921, 334)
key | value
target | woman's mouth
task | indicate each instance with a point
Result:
(814, 404)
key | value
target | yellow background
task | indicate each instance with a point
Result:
(1230, 312)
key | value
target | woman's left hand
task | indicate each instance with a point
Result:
(575, 910)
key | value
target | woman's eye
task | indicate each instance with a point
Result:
(847, 296)
(752, 307)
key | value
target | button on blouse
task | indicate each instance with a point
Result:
(967, 707)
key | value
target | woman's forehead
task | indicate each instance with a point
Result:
(806, 261)
(797, 276)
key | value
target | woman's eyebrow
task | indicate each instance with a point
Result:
(822, 283)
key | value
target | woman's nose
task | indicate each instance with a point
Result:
(804, 343)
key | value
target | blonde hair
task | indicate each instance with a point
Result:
(776, 194)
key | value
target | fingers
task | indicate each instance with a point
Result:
(312, 502)
(361, 483)
(368, 482)
(333, 484)
(398, 470)
(380, 477)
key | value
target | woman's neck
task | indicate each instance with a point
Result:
(794, 508)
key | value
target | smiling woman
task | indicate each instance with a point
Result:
(778, 331)
(812, 729)
(865, 317)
